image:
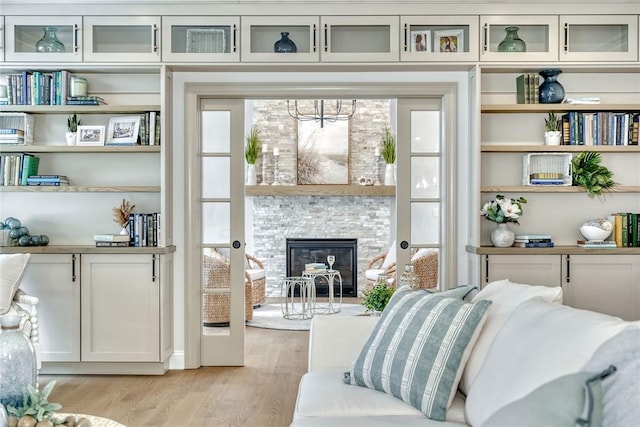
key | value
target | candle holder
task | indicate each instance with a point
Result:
(276, 169)
(264, 169)
(377, 182)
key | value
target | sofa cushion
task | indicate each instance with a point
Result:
(621, 400)
(417, 350)
(538, 343)
(12, 268)
(374, 421)
(505, 297)
(571, 400)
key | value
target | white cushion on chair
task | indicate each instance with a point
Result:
(12, 268)
(390, 258)
(256, 273)
(373, 274)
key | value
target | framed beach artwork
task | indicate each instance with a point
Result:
(323, 152)
(90, 135)
(449, 41)
(421, 41)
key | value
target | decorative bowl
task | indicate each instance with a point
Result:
(591, 232)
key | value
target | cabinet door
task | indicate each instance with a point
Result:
(439, 38)
(540, 34)
(529, 269)
(120, 308)
(2, 34)
(122, 38)
(360, 38)
(200, 39)
(22, 33)
(55, 280)
(605, 283)
(599, 38)
(260, 33)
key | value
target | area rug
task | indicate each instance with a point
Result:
(269, 316)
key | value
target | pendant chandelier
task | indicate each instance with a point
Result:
(332, 113)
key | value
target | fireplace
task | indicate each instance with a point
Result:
(305, 251)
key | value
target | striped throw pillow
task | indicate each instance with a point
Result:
(418, 349)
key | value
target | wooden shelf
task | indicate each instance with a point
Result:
(544, 108)
(553, 189)
(86, 249)
(557, 250)
(80, 189)
(67, 149)
(515, 148)
(320, 190)
(80, 109)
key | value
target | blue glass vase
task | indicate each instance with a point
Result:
(17, 362)
(285, 44)
(551, 91)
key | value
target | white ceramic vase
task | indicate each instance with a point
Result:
(251, 175)
(70, 137)
(552, 137)
(502, 236)
(390, 174)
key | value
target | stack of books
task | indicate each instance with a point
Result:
(315, 267)
(108, 240)
(85, 100)
(533, 241)
(11, 136)
(597, 244)
(56, 180)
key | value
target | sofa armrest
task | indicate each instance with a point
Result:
(335, 342)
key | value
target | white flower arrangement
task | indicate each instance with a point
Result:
(502, 210)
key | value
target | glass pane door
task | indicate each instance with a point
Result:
(222, 232)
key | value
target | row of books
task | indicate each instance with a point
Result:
(527, 88)
(533, 241)
(150, 128)
(600, 128)
(144, 229)
(38, 88)
(626, 229)
(15, 168)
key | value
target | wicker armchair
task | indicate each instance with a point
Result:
(255, 274)
(425, 266)
(385, 263)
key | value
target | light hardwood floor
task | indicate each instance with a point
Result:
(260, 394)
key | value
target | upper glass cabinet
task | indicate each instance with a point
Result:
(280, 39)
(1, 38)
(519, 38)
(602, 38)
(200, 39)
(122, 38)
(43, 38)
(360, 38)
(439, 38)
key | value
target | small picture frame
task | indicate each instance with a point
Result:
(90, 135)
(421, 41)
(123, 130)
(449, 41)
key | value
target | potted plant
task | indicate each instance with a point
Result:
(377, 298)
(587, 172)
(389, 155)
(553, 125)
(72, 128)
(251, 152)
(502, 211)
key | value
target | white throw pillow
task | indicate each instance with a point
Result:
(506, 296)
(12, 268)
(391, 256)
(538, 343)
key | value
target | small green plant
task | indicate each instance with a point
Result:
(388, 146)
(35, 408)
(589, 174)
(73, 122)
(377, 298)
(252, 146)
(553, 122)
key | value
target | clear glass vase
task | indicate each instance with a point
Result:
(49, 42)
(17, 362)
(409, 278)
(512, 42)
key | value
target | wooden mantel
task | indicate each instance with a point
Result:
(320, 190)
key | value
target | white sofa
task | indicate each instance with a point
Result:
(528, 341)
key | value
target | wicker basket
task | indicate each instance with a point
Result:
(21, 121)
(546, 169)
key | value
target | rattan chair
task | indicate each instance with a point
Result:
(385, 263)
(425, 266)
(255, 274)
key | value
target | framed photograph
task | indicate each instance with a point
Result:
(90, 135)
(449, 41)
(421, 41)
(323, 152)
(123, 130)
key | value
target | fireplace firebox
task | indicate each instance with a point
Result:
(301, 251)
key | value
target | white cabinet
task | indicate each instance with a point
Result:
(122, 39)
(539, 32)
(599, 38)
(439, 38)
(260, 33)
(2, 43)
(605, 283)
(23, 32)
(200, 39)
(360, 39)
(530, 269)
(55, 280)
(124, 299)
